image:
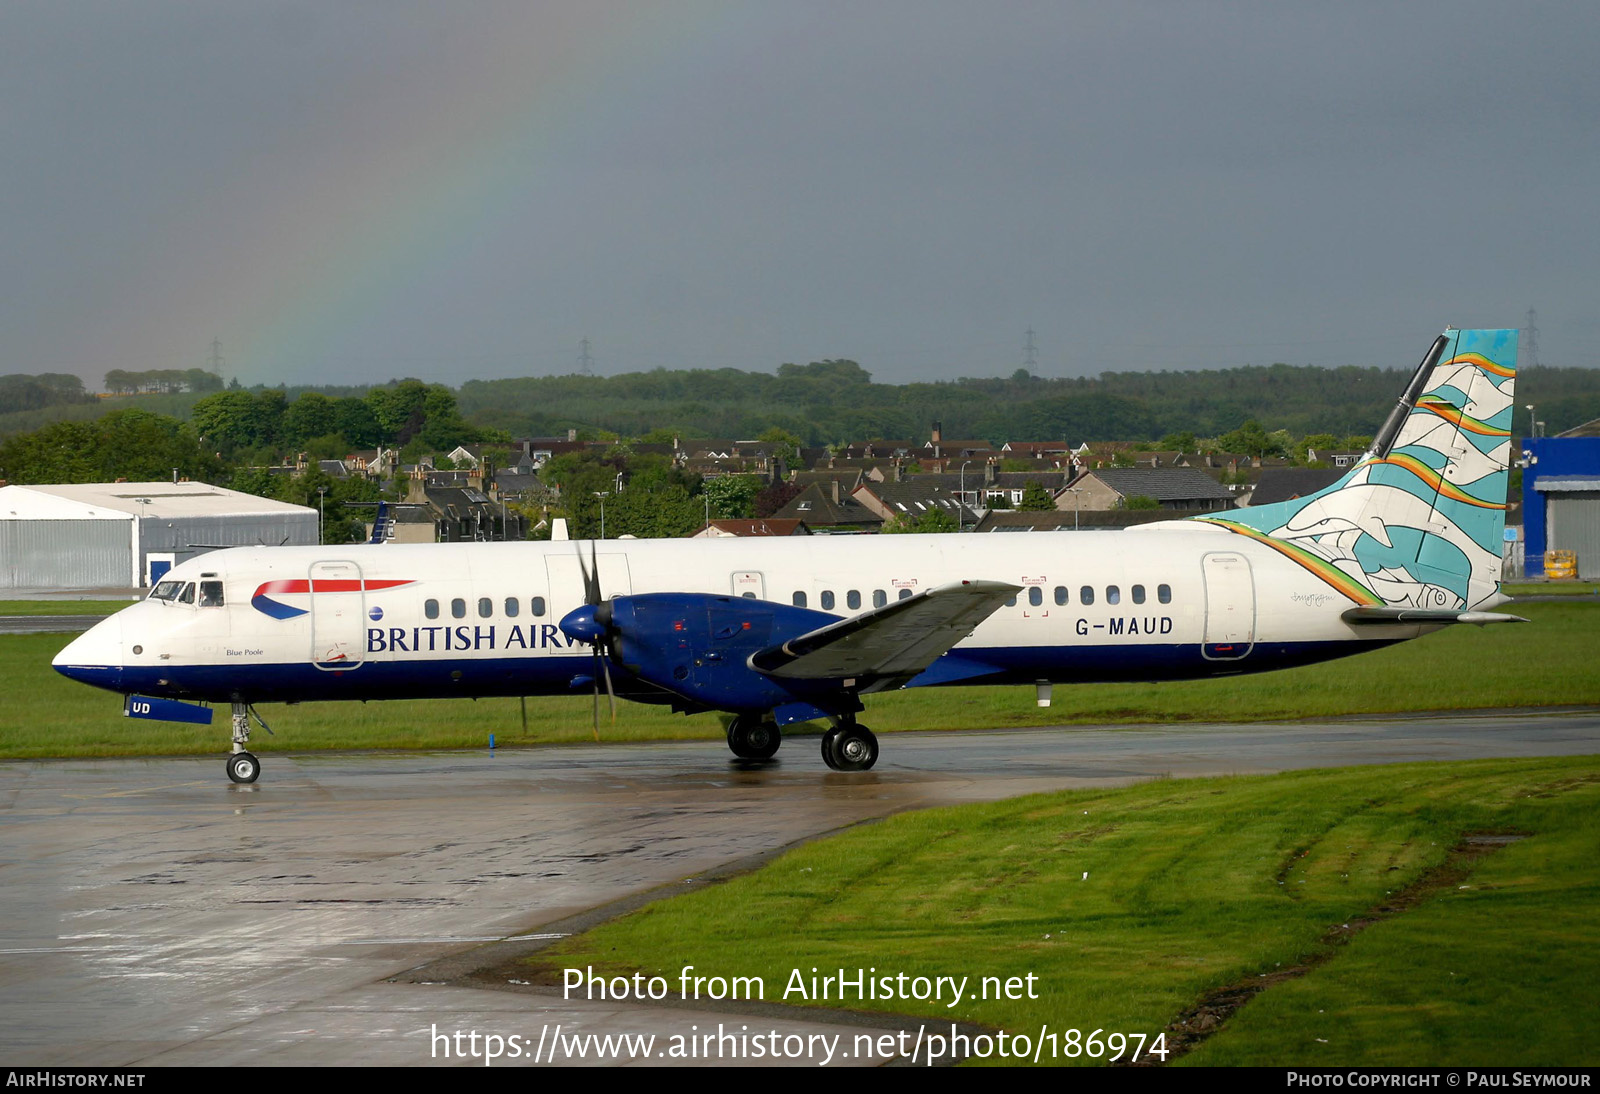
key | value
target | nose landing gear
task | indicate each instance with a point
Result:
(243, 767)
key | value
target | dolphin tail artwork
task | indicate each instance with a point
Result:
(1412, 534)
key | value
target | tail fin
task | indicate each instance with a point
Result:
(1419, 522)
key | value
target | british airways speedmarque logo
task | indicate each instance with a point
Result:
(263, 603)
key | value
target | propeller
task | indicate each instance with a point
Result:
(592, 624)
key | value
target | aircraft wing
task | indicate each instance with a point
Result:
(897, 640)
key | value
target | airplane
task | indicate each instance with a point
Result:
(778, 631)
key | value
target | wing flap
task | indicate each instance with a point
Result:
(898, 640)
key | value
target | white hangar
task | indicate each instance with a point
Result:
(127, 534)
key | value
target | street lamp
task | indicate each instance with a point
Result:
(602, 495)
(322, 494)
(1075, 491)
(1533, 425)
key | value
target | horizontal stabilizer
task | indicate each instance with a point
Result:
(1425, 615)
(898, 640)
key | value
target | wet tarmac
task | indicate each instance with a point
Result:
(154, 913)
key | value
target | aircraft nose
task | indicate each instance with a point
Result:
(95, 656)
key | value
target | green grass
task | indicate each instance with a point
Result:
(62, 607)
(1549, 662)
(1552, 588)
(1130, 905)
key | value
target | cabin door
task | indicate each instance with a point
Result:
(1230, 607)
(338, 616)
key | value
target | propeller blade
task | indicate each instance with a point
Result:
(591, 575)
(596, 678)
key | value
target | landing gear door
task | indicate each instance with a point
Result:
(1230, 607)
(338, 616)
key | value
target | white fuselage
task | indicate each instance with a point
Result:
(399, 621)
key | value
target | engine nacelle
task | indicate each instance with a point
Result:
(698, 646)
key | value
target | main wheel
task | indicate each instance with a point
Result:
(243, 767)
(752, 738)
(762, 739)
(854, 749)
(828, 738)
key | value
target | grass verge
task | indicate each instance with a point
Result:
(1130, 905)
(1547, 663)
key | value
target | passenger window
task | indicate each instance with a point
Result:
(513, 606)
(1035, 596)
(1062, 596)
(852, 599)
(1113, 595)
(1011, 602)
(1164, 593)
(748, 596)
(537, 604)
(799, 600)
(879, 598)
(827, 600)
(903, 594)
(1086, 595)
(485, 607)
(1138, 594)
(211, 594)
(458, 608)
(430, 608)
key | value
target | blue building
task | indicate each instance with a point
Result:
(1561, 498)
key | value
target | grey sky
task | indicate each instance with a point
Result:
(345, 192)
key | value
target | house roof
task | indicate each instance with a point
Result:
(1587, 429)
(1161, 483)
(910, 499)
(760, 526)
(1288, 483)
(815, 506)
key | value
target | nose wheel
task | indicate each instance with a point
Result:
(243, 767)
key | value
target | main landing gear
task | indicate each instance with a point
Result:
(849, 746)
(243, 767)
(754, 737)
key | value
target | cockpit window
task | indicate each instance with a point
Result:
(187, 595)
(166, 590)
(211, 594)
